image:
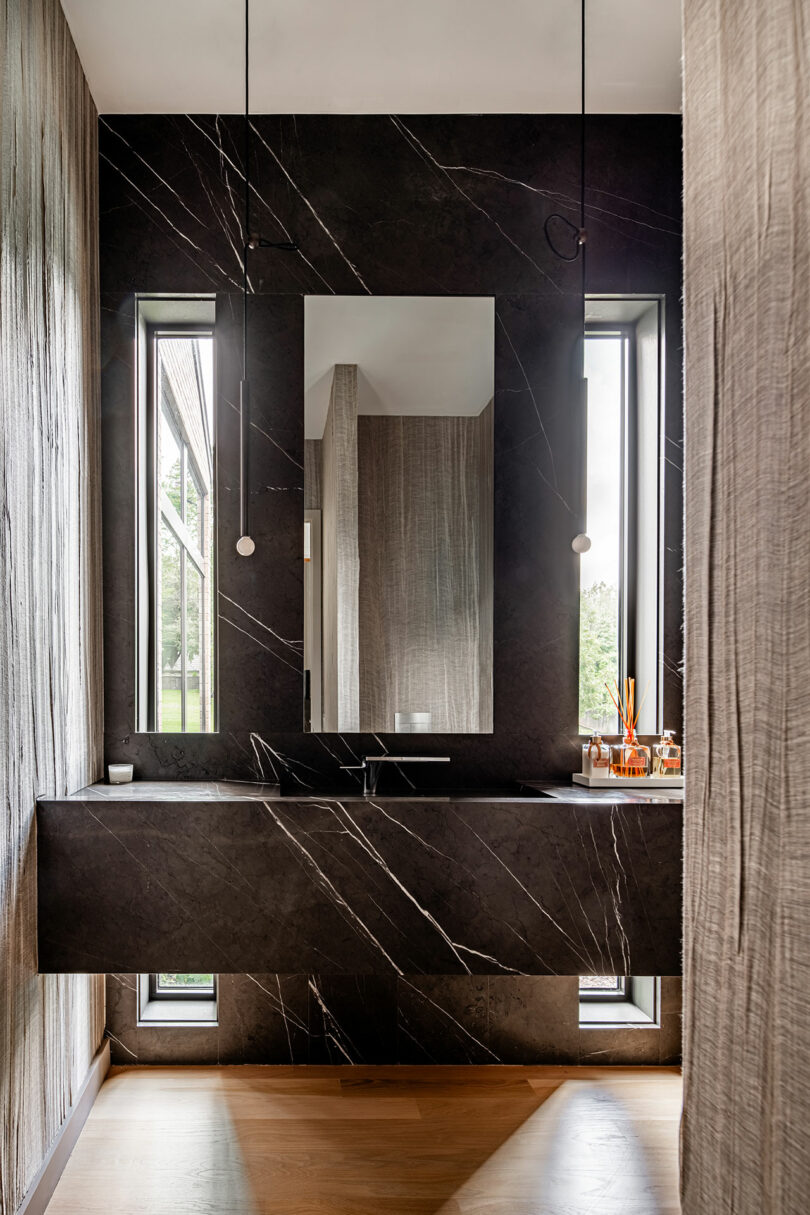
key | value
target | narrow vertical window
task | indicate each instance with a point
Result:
(620, 607)
(181, 692)
(601, 567)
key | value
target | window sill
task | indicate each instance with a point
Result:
(182, 1014)
(178, 1013)
(618, 1014)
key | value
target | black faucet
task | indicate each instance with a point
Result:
(372, 764)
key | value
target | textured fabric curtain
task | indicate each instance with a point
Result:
(746, 1145)
(50, 645)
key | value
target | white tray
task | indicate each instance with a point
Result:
(628, 782)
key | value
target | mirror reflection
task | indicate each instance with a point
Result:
(398, 514)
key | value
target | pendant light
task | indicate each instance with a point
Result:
(581, 543)
(246, 545)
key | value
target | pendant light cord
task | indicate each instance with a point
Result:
(245, 545)
(582, 235)
(581, 118)
(578, 234)
(246, 236)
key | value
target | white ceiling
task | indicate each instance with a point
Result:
(379, 56)
(415, 355)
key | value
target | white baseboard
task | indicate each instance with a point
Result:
(41, 1189)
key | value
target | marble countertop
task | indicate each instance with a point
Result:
(244, 791)
(579, 793)
(173, 791)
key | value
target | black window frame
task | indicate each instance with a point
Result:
(158, 993)
(155, 331)
(620, 996)
(628, 515)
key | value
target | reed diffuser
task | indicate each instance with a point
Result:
(629, 758)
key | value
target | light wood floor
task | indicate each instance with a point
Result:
(378, 1141)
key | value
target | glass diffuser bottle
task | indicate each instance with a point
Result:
(666, 756)
(629, 758)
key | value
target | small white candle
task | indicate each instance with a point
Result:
(119, 774)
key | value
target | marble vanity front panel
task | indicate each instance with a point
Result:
(383, 886)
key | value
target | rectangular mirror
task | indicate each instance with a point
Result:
(398, 498)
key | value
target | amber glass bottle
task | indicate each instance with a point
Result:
(629, 758)
(666, 756)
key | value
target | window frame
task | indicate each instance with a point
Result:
(639, 1007)
(156, 993)
(157, 508)
(640, 321)
(628, 522)
(619, 996)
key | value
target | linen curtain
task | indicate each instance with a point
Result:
(745, 1142)
(50, 641)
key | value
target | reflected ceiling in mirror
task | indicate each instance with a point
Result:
(398, 514)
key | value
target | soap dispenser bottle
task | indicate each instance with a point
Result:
(666, 756)
(596, 757)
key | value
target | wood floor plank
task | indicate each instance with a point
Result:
(378, 1141)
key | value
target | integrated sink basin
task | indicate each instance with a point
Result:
(503, 794)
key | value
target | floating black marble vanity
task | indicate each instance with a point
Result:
(231, 878)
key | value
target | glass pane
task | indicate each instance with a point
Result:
(170, 623)
(194, 511)
(194, 670)
(604, 984)
(600, 568)
(170, 474)
(185, 982)
(184, 652)
(186, 368)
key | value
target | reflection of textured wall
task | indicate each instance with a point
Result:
(485, 476)
(341, 562)
(312, 474)
(50, 657)
(270, 1018)
(425, 486)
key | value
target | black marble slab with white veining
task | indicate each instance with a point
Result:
(176, 791)
(388, 205)
(372, 886)
(230, 790)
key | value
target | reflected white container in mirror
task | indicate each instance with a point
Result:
(412, 723)
(398, 491)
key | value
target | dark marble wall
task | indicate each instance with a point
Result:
(383, 205)
(275, 1018)
(386, 205)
